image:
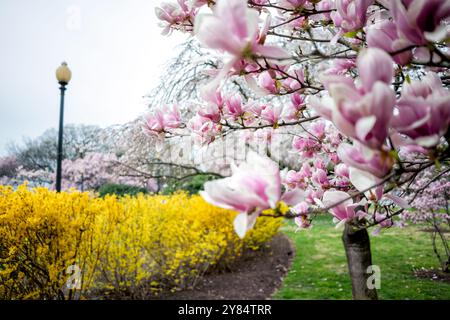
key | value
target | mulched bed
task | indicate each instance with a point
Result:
(256, 276)
(433, 274)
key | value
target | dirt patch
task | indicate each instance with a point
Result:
(254, 277)
(433, 274)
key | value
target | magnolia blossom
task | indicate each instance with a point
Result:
(384, 35)
(162, 120)
(324, 5)
(350, 14)
(254, 186)
(272, 114)
(423, 110)
(420, 21)
(173, 14)
(341, 176)
(301, 210)
(307, 146)
(211, 112)
(341, 66)
(342, 207)
(363, 112)
(267, 82)
(377, 163)
(318, 129)
(234, 107)
(320, 178)
(293, 110)
(291, 4)
(204, 131)
(295, 179)
(233, 28)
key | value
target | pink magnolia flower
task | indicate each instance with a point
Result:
(383, 222)
(272, 114)
(295, 179)
(307, 146)
(342, 207)
(423, 110)
(298, 100)
(384, 35)
(334, 158)
(350, 14)
(204, 131)
(291, 4)
(318, 129)
(254, 186)
(162, 120)
(267, 82)
(234, 107)
(341, 170)
(233, 28)
(175, 14)
(295, 81)
(378, 163)
(341, 176)
(319, 163)
(341, 66)
(213, 97)
(320, 178)
(324, 5)
(420, 21)
(293, 111)
(313, 196)
(211, 112)
(301, 220)
(363, 112)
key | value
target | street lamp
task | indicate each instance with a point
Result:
(63, 75)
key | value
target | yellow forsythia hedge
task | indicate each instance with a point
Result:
(73, 245)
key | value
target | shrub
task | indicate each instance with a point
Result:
(129, 246)
(120, 190)
(191, 185)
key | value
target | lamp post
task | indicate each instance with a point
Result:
(63, 75)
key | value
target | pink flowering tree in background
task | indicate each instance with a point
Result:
(357, 87)
(431, 206)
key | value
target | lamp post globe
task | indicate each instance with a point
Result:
(63, 75)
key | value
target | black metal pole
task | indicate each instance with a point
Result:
(60, 139)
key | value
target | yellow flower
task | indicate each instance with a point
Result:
(134, 245)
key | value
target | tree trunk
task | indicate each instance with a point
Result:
(359, 258)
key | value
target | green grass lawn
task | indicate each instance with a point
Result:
(319, 270)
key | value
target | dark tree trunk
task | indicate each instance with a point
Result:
(359, 258)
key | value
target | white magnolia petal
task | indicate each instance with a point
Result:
(240, 224)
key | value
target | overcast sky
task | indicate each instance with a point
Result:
(113, 47)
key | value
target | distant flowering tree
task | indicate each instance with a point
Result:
(360, 84)
(88, 173)
(431, 202)
(8, 166)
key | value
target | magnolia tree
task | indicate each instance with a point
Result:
(363, 82)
